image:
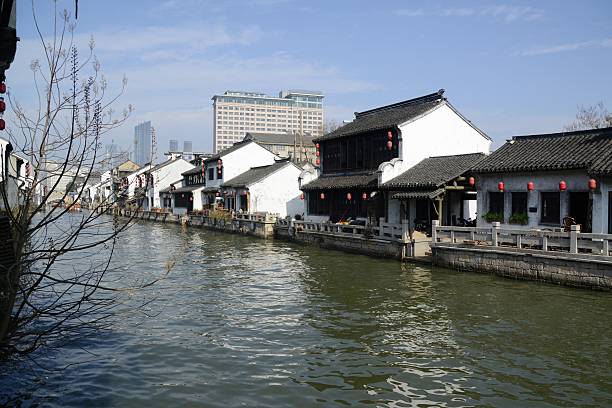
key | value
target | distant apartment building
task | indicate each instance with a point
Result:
(236, 113)
(143, 134)
(173, 145)
(187, 146)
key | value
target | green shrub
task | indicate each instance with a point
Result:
(519, 218)
(494, 217)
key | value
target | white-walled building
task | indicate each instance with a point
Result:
(272, 188)
(160, 177)
(537, 181)
(378, 146)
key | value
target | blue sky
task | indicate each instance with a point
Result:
(510, 67)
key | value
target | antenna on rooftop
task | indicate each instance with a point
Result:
(153, 145)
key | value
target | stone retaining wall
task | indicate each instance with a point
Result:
(353, 244)
(560, 268)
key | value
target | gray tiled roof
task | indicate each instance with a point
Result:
(590, 150)
(387, 116)
(255, 174)
(277, 138)
(224, 152)
(427, 193)
(364, 180)
(435, 171)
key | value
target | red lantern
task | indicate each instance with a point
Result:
(364, 196)
(389, 145)
(318, 153)
(2, 88)
(317, 146)
(217, 194)
(500, 186)
(2, 105)
(531, 186)
(592, 184)
(322, 196)
(2, 124)
(182, 195)
(472, 181)
(562, 185)
(390, 135)
(190, 198)
(302, 196)
(318, 161)
(349, 196)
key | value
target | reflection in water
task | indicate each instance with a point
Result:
(246, 322)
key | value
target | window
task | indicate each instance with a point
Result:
(550, 208)
(211, 174)
(519, 203)
(496, 203)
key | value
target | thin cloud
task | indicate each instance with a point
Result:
(504, 13)
(568, 47)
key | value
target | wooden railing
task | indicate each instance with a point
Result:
(572, 242)
(385, 231)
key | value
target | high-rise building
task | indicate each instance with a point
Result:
(236, 113)
(173, 145)
(187, 146)
(143, 143)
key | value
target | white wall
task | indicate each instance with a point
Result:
(440, 132)
(278, 193)
(240, 160)
(576, 181)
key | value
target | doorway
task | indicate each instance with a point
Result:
(580, 209)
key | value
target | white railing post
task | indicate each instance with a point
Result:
(574, 231)
(381, 223)
(606, 247)
(405, 231)
(544, 242)
(434, 231)
(519, 240)
(495, 233)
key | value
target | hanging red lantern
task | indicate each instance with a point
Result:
(389, 135)
(592, 184)
(500, 186)
(190, 198)
(318, 161)
(531, 186)
(364, 196)
(349, 196)
(2, 105)
(2, 88)
(219, 163)
(322, 196)
(318, 153)
(317, 146)
(2, 124)
(389, 145)
(472, 181)
(562, 185)
(302, 196)
(182, 195)
(217, 194)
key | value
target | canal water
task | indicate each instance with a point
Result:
(246, 322)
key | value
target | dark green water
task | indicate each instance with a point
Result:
(245, 322)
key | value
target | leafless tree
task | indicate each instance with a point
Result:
(330, 125)
(60, 284)
(590, 117)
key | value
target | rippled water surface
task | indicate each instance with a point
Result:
(246, 322)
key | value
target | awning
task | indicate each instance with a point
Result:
(187, 189)
(337, 182)
(418, 194)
